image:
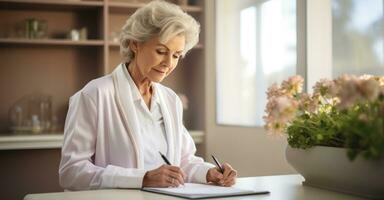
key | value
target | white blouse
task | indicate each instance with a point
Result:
(151, 125)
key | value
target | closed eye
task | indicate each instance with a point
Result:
(161, 52)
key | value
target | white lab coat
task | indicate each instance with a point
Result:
(102, 145)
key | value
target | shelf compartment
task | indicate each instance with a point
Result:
(62, 42)
(58, 71)
(49, 4)
(57, 23)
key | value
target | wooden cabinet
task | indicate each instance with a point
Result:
(59, 67)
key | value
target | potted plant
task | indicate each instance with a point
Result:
(336, 134)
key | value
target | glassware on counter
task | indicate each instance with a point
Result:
(33, 114)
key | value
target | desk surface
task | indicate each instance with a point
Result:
(287, 187)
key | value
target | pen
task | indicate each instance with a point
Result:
(168, 163)
(164, 158)
(218, 164)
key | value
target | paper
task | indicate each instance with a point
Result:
(194, 190)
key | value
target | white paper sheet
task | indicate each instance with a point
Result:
(193, 188)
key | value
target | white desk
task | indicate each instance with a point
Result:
(285, 187)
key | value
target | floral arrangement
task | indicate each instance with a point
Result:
(345, 112)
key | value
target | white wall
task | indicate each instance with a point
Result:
(251, 152)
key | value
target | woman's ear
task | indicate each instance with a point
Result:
(133, 45)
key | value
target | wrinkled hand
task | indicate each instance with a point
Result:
(227, 179)
(164, 176)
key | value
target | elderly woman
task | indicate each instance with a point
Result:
(117, 124)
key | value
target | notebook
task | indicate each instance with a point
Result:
(202, 191)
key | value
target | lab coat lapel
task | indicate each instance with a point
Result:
(125, 104)
(168, 126)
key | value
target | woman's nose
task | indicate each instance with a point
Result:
(167, 61)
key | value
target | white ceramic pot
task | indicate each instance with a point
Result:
(330, 168)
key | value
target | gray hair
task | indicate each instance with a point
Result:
(158, 18)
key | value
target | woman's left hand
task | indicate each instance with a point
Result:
(227, 179)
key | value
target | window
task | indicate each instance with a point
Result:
(357, 37)
(256, 46)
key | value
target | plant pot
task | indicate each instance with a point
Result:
(330, 168)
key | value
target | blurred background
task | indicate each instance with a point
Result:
(49, 49)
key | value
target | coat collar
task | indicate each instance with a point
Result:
(124, 99)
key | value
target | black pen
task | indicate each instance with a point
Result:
(218, 164)
(164, 158)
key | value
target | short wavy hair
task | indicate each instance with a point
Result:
(158, 18)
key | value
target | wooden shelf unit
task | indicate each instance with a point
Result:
(56, 2)
(60, 67)
(53, 42)
(54, 5)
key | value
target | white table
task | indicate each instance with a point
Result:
(284, 187)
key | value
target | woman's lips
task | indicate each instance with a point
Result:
(159, 71)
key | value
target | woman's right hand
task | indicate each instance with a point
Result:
(164, 176)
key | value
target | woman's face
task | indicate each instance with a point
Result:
(155, 60)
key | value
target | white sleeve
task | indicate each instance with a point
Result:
(194, 166)
(77, 170)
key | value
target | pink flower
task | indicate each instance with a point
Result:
(380, 80)
(308, 103)
(280, 111)
(325, 88)
(293, 85)
(354, 90)
(275, 128)
(366, 77)
(369, 89)
(274, 90)
(348, 91)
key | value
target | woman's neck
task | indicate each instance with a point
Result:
(142, 83)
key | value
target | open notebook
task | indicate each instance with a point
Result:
(199, 191)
